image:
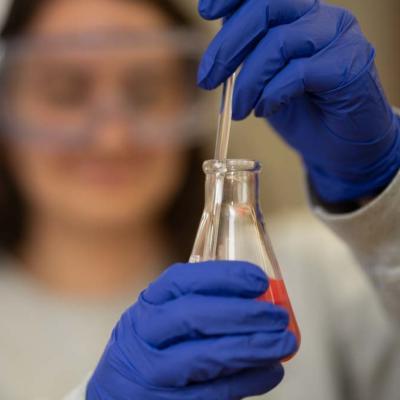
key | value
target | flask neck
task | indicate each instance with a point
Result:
(234, 182)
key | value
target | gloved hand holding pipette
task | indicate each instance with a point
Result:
(309, 70)
(198, 332)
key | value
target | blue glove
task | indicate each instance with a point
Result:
(196, 333)
(309, 70)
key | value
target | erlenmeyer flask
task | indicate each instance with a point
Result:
(232, 226)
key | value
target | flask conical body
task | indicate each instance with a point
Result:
(232, 226)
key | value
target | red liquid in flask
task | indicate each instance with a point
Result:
(277, 294)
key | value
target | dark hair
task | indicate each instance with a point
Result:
(182, 217)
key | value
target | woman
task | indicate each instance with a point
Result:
(90, 211)
(91, 238)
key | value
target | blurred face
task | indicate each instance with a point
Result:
(109, 97)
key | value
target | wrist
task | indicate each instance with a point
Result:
(357, 183)
(343, 207)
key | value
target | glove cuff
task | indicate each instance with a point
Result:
(334, 188)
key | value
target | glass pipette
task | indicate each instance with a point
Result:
(225, 120)
(221, 153)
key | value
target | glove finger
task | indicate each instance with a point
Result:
(211, 9)
(241, 33)
(320, 74)
(214, 278)
(250, 382)
(209, 359)
(197, 317)
(302, 38)
(284, 87)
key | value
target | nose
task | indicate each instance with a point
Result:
(111, 132)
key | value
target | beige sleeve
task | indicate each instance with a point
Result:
(373, 234)
(77, 394)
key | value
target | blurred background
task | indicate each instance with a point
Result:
(91, 225)
(283, 185)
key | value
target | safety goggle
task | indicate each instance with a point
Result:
(62, 90)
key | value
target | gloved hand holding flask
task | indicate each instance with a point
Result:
(196, 333)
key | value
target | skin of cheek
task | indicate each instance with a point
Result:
(131, 191)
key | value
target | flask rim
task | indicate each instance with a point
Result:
(231, 165)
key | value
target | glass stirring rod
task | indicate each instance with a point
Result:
(225, 120)
(221, 153)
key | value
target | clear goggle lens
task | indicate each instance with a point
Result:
(63, 91)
